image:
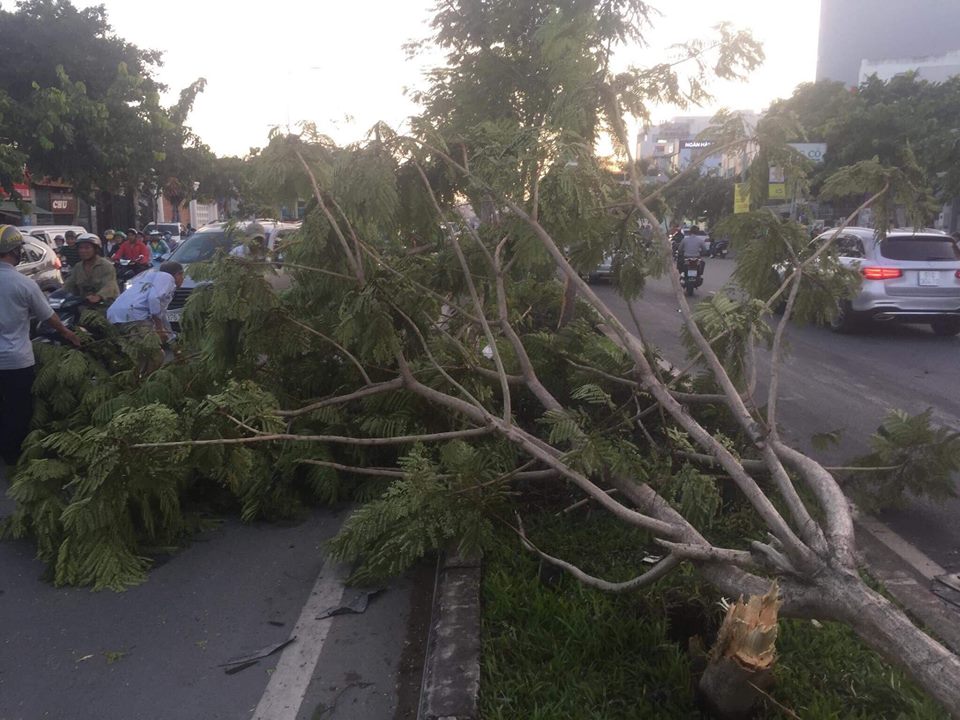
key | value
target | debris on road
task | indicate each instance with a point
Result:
(235, 665)
(356, 605)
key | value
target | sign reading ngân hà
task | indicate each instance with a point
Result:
(695, 144)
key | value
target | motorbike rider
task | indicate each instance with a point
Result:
(20, 298)
(110, 242)
(68, 251)
(94, 277)
(157, 245)
(133, 249)
(694, 244)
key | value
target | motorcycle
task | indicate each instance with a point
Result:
(129, 269)
(691, 273)
(68, 308)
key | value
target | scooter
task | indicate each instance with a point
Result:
(691, 273)
(129, 269)
(719, 247)
(68, 308)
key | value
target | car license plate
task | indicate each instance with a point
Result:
(174, 315)
(930, 277)
(691, 273)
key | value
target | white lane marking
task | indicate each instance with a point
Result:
(288, 683)
(907, 552)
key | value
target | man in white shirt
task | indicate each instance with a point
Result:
(20, 299)
(144, 304)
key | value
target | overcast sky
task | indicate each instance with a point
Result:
(341, 63)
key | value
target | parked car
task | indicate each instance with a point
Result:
(47, 233)
(40, 262)
(909, 276)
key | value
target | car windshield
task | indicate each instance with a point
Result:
(941, 249)
(200, 247)
(172, 229)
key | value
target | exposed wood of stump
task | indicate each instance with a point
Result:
(741, 662)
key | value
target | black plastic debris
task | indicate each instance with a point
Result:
(357, 603)
(235, 665)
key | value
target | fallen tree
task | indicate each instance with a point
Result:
(471, 341)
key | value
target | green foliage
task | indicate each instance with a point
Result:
(910, 456)
(695, 495)
(730, 323)
(905, 188)
(444, 496)
(769, 249)
(703, 198)
(92, 506)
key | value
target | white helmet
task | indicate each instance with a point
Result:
(89, 238)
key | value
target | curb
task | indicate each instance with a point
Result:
(907, 574)
(451, 671)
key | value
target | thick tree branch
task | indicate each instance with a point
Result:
(338, 439)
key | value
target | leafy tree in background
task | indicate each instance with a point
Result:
(705, 197)
(882, 119)
(80, 104)
(79, 97)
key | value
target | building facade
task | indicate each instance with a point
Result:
(671, 147)
(886, 36)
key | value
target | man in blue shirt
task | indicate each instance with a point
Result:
(20, 298)
(144, 304)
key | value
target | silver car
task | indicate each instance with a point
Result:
(909, 276)
(39, 261)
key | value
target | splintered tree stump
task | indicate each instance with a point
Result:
(740, 665)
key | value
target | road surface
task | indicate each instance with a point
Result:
(840, 382)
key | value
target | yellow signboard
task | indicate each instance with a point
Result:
(778, 191)
(741, 198)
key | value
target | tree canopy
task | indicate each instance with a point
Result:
(81, 104)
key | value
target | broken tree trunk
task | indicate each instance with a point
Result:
(884, 627)
(740, 665)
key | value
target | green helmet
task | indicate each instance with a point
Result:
(10, 239)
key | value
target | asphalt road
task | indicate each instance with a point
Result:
(840, 382)
(155, 652)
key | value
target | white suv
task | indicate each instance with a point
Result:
(909, 276)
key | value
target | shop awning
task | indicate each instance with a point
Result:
(8, 207)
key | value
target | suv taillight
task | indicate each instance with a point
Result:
(957, 273)
(881, 273)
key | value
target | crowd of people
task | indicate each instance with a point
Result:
(139, 309)
(145, 247)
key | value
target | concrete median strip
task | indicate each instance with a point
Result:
(289, 681)
(451, 673)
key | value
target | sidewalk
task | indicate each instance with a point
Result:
(155, 651)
